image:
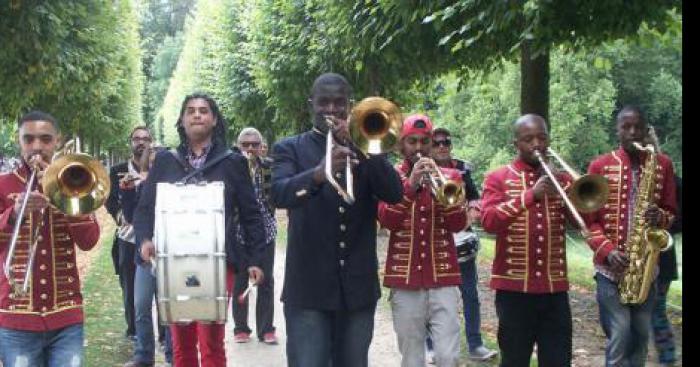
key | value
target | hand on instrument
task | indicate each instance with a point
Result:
(255, 274)
(543, 186)
(618, 261)
(36, 202)
(653, 215)
(420, 173)
(340, 129)
(148, 250)
(37, 162)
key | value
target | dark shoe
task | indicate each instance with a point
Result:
(138, 364)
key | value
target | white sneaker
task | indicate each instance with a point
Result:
(481, 353)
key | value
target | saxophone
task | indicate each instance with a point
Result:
(644, 243)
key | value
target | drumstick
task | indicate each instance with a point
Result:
(243, 295)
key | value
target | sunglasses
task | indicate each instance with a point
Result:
(444, 143)
(414, 140)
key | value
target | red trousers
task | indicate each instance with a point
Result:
(209, 337)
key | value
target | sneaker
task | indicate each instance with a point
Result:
(429, 356)
(481, 353)
(270, 338)
(241, 337)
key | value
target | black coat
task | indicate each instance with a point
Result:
(329, 268)
(115, 202)
(239, 198)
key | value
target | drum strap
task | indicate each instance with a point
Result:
(201, 169)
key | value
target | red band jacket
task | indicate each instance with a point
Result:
(54, 300)
(530, 254)
(609, 225)
(421, 251)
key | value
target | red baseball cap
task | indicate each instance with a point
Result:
(417, 124)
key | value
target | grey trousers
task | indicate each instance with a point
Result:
(436, 308)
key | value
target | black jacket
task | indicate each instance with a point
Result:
(238, 192)
(331, 249)
(668, 266)
(118, 201)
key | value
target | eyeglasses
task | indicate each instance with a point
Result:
(444, 143)
(250, 144)
(137, 139)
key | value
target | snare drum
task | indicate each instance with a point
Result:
(190, 252)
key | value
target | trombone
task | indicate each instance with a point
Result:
(446, 192)
(75, 184)
(587, 193)
(374, 126)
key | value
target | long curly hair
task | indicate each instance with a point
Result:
(219, 133)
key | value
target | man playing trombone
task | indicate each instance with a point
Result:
(522, 207)
(421, 263)
(42, 326)
(331, 285)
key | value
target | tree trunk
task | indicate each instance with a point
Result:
(534, 82)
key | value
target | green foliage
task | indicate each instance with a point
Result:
(78, 60)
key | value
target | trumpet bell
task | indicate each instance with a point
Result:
(375, 124)
(76, 184)
(589, 192)
(451, 193)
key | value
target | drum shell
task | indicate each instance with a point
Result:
(189, 236)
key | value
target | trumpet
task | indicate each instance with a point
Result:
(446, 192)
(587, 193)
(374, 127)
(75, 184)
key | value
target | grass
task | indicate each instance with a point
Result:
(104, 312)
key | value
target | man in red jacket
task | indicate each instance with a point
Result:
(45, 326)
(421, 263)
(521, 206)
(626, 326)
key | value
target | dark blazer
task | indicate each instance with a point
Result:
(331, 250)
(238, 192)
(113, 205)
(668, 266)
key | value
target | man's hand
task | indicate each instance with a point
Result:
(36, 202)
(339, 156)
(653, 215)
(419, 174)
(618, 260)
(255, 274)
(148, 250)
(543, 186)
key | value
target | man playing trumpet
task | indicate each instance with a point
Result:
(528, 216)
(421, 264)
(43, 327)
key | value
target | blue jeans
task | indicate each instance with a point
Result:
(470, 302)
(626, 327)
(55, 348)
(663, 331)
(318, 338)
(144, 293)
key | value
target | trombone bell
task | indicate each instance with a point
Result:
(374, 125)
(589, 192)
(76, 184)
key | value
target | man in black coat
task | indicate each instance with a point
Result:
(202, 134)
(120, 205)
(331, 285)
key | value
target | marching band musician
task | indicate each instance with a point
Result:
(120, 205)
(626, 326)
(467, 243)
(250, 143)
(521, 206)
(44, 327)
(202, 133)
(331, 285)
(421, 263)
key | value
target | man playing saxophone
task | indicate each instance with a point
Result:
(641, 197)
(44, 326)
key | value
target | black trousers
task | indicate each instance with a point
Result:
(265, 302)
(127, 272)
(528, 319)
